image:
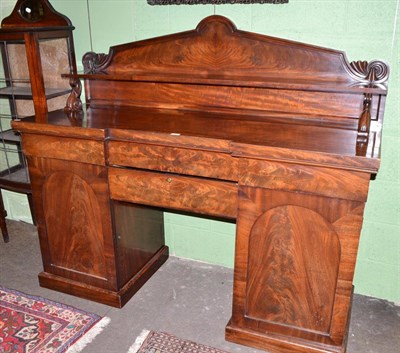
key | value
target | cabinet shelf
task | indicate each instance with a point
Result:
(17, 175)
(26, 92)
(9, 136)
(13, 80)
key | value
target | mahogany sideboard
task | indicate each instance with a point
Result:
(282, 137)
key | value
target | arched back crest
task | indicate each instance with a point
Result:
(49, 17)
(217, 47)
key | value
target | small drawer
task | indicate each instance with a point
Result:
(198, 195)
(330, 182)
(64, 148)
(209, 164)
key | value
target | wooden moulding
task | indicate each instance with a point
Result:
(276, 343)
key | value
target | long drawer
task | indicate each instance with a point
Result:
(199, 195)
(210, 164)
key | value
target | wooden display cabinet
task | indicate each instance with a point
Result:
(36, 47)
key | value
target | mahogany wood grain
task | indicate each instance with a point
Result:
(78, 204)
(65, 148)
(216, 46)
(266, 136)
(295, 287)
(207, 97)
(79, 245)
(60, 124)
(74, 222)
(304, 157)
(173, 191)
(35, 71)
(173, 160)
(240, 79)
(278, 298)
(328, 182)
(164, 137)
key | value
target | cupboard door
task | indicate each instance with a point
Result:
(295, 257)
(74, 221)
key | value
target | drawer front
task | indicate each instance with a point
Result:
(218, 198)
(209, 164)
(64, 148)
(330, 182)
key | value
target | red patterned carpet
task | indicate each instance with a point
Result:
(31, 324)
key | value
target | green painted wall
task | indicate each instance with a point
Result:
(364, 29)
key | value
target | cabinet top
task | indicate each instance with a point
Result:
(34, 15)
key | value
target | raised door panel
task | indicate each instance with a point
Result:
(293, 261)
(71, 200)
(73, 220)
(294, 266)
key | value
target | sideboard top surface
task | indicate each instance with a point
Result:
(259, 136)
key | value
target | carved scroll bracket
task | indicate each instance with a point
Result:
(74, 104)
(373, 72)
(364, 123)
(94, 63)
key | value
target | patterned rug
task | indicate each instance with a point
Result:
(160, 342)
(31, 324)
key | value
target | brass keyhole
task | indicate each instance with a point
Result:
(169, 180)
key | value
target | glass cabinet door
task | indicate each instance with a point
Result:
(15, 103)
(16, 98)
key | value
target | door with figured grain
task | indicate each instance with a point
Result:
(292, 263)
(76, 236)
(73, 220)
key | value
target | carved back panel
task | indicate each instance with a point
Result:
(216, 47)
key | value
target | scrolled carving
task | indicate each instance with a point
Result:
(373, 72)
(364, 123)
(94, 63)
(74, 103)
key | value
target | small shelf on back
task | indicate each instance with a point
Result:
(26, 92)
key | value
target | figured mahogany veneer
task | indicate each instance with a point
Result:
(172, 191)
(281, 136)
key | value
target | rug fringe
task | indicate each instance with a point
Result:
(139, 341)
(89, 336)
